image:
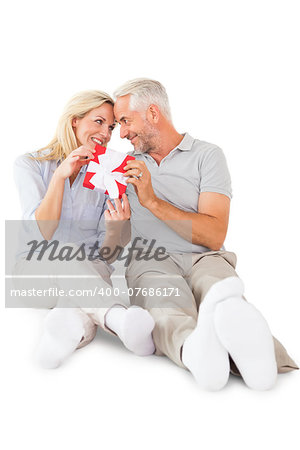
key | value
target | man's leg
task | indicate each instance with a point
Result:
(160, 287)
(240, 327)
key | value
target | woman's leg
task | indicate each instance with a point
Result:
(89, 301)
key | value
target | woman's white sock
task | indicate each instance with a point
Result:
(245, 334)
(62, 333)
(134, 327)
(202, 352)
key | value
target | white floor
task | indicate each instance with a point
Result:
(231, 72)
(105, 397)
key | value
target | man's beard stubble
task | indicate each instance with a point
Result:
(148, 139)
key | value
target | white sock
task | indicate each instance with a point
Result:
(245, 334)
(134, 327)
(202, 352)
(204, 356)
(62, 334)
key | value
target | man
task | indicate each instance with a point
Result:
(179, 191)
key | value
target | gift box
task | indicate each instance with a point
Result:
(105, 172)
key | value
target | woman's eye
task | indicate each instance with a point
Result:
(99, 121)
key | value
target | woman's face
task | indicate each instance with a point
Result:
(98, 123)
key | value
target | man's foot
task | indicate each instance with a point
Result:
(202, 352)
(245, 334)
(204, 356)
(134, 327)
(62, 333)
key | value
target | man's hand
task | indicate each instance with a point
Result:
(140, 177)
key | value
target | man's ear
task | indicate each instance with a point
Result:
(153, 113)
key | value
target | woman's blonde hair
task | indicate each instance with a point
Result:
(64, 141)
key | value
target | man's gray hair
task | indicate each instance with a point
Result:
(145, 92)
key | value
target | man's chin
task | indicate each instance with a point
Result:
(140, 150)
(136, 147)
(139, 147)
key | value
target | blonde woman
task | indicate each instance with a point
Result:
(66, 220)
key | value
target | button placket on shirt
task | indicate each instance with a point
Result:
(69, 204)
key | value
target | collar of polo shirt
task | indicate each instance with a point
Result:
(186, 143)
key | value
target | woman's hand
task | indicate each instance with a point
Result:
(119, 213)
(117, 225)
(74, 161)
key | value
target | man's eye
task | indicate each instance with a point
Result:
(112, 127)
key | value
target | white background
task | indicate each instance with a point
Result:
(231, 69)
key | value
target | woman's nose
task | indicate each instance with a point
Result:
(106, 132)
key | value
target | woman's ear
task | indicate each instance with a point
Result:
(74, 122)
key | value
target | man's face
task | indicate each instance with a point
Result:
(135, 126)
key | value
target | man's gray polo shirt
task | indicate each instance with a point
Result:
(191, 168)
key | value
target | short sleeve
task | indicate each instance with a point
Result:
(30, 184)
(214, 173)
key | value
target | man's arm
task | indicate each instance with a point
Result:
(208, 227)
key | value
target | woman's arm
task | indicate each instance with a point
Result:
(118, 229)
(49, 211)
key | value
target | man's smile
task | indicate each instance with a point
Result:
(132, 138)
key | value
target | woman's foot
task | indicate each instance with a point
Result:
(62, 333)
(134, 327)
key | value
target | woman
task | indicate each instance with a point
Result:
(60, 210)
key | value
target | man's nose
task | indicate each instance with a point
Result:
(123, 132)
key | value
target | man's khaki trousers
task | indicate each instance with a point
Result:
(172, 291)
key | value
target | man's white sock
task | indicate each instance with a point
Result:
(245, 334)
(202, 352)
(204, 356)
(134, 327)
(62, 333)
